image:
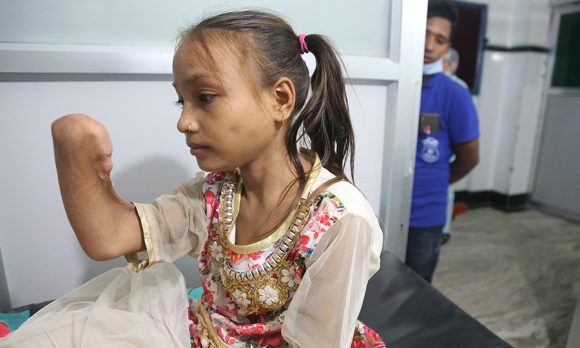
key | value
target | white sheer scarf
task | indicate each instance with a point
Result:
(149, 309)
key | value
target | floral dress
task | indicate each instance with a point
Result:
(310, 295)
(264, 327)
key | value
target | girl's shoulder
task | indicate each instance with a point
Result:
(337, 201)
(343, 196)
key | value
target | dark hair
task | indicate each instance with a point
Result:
(444, 9)
(268, 42)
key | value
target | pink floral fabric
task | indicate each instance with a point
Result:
(263, 329)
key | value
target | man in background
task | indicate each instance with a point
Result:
(450, 65)
(448, 126)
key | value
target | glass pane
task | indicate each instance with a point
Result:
(358, 27)
(567, 65)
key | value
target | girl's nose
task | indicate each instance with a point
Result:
(187, 123)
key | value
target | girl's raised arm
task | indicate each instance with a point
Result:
(105, 225)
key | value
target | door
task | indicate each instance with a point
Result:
(557, 177)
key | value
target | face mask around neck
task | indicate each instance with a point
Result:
(433, 68)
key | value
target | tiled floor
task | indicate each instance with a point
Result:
(517, 273)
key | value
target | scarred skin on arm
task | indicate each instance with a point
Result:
(105, 225)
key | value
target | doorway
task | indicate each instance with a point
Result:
(557, 176)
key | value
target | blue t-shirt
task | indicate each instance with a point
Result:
(457, 124)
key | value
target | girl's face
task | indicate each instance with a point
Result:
(226, 123)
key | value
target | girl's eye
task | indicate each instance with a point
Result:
(179, 103)
(206, 98)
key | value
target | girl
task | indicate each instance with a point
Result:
(285, 244)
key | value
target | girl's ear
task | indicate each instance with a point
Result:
(285, 97)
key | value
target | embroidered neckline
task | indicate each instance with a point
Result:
(266, 286)
(276, 235)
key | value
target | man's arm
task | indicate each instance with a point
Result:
(466, 158)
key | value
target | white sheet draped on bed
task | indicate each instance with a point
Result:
(116, 309)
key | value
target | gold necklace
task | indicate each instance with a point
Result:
(265, 287)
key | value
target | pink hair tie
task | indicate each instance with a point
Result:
(303, 47)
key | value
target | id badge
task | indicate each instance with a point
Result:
(429, 123)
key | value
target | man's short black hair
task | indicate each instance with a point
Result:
(444, 9)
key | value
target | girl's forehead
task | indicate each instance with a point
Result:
(210, 59)
(188, 57)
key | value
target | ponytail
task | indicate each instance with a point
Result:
(326, 119)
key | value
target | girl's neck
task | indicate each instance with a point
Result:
(270, 176)
(267, 196)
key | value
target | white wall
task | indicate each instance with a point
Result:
(517, 22)
(42, 258)
(41, 255)
(509, 103)
(509, 109)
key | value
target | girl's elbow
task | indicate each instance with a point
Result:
(100, 253)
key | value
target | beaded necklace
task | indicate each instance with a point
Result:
(266, 286)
